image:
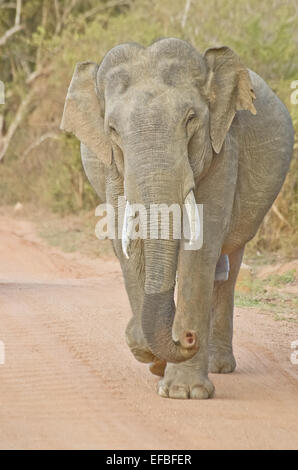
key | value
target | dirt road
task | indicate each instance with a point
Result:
(69, 380)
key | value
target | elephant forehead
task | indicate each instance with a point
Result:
(174, 48)
(176, 72)
(169, 60)
(172, 71)
(152, 103)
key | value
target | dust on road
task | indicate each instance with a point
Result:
(70, 382)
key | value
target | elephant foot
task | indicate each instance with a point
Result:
(221, 362)
(157, 367)
(181, 382)
(139, 348)
(137, 344)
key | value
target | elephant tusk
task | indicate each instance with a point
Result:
(127, 228)
(193, 217)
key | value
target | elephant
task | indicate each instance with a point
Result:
(160, 125)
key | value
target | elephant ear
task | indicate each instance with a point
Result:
(82, 112)
(228, 89)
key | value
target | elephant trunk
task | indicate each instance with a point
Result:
(153, 181)
(159, 306)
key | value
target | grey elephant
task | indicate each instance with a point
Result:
(166, 124)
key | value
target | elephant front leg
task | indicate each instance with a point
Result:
(134, 333)
(134, 284)
(189, 379)
(221, 357)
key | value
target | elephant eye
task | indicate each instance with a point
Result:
(112, 128)
(190, 117)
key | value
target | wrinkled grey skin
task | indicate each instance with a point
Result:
(161, 121)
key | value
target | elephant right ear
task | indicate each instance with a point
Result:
(228, 89)
(82, 113)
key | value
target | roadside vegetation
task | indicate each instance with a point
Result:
(273, 293)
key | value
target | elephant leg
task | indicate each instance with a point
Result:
(186, 380)
(132, 274)
(189, 379)
(134, 333)
(221, 358)
(134, 285)
(136, 342)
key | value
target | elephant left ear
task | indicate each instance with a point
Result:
(82, 113)
(228, 88)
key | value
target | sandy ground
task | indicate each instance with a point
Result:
(70, 382)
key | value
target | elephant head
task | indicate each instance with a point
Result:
(161, 113)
